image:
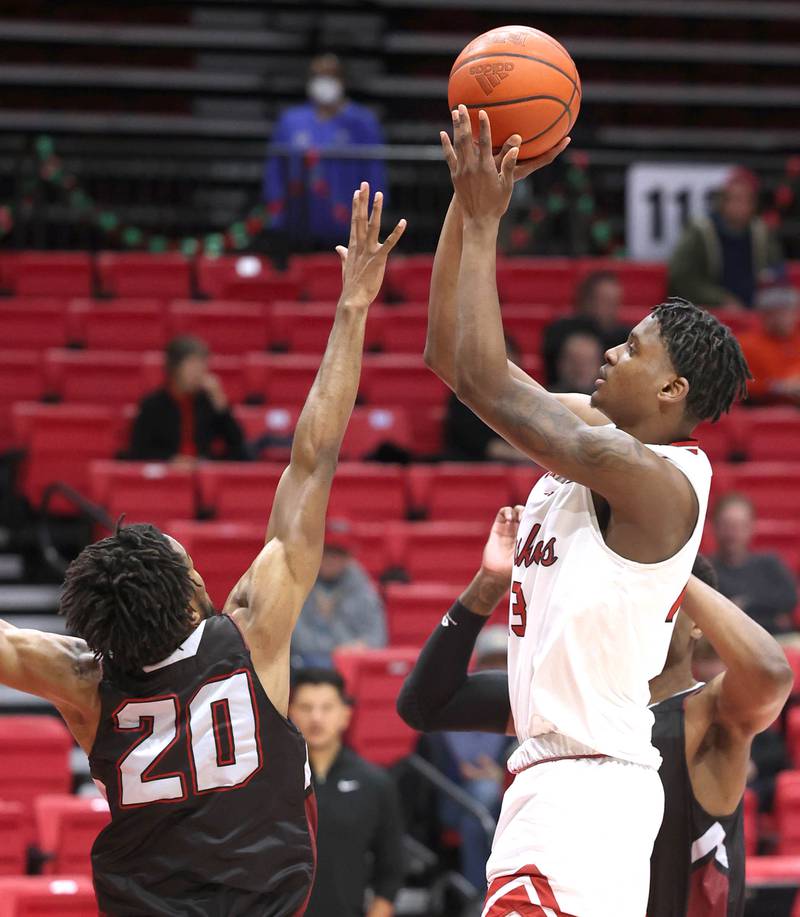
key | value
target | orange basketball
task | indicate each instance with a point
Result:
(525, 80)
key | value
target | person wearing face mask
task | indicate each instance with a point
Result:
(308, 195)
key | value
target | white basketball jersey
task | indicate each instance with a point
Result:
(588, 629)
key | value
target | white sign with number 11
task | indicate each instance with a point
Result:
(661, 198)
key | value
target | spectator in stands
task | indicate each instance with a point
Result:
(343, 608)
(189, 418)
(308, 196)
(475, 761)
(773, 349)
(466, 436)
(719, 258)
(598, 299)
(579, 360)
(360, 837)
(759, 583)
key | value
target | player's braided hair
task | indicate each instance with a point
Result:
(704, 351)
(128, 597)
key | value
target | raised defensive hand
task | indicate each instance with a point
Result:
(364, 259)
(498, 555)
(482, 190)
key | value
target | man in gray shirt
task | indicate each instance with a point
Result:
(759, 583)
(343, 608)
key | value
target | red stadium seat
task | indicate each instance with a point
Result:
(305, 327)
(66, 829)
(235, 491)
(427, 429)
(401, 380)
(21, 379)
(97, 376)
(468, 491)
(409, 278)
(524, 477)
(244, 491)
(738, 321)
(750, 822)
(774, 487)
(118, 325)
(145, 491)
(372, 427)
(60, 441)
(525, 325)
(374, 679)
(433, 552)
(227, 327)
(33, 324)
(167, 276)
(221, 551)
(773, 871)
(405, 328)
(781, 536)
(62, 274)
(302, 327)
(280, 378)
(320, 276)
(524, 281)
(35, 760)
(368, 493)
(773, 434)
(787, 812)
(243, 277)
(725, 439)
(216, 275)
(793, 735)
(47, 896)
(414, 609)
(14, 832)
(270, 425)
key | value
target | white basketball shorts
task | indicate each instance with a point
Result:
(574, 840)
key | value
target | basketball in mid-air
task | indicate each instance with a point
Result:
(525, 80)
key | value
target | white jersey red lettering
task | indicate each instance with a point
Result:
(587, 628)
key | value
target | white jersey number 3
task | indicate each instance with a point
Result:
(221, 739)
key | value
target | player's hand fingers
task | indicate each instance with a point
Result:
(363, 208)
(546, 158)
(508, 165)
(341, 251)
(394, 237)
(463, 135)
(518, 511)
(374, 226)
(484, 138)
(354, 219)
(449, 153)
(513, 140)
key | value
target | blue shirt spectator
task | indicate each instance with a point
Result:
(308, 195)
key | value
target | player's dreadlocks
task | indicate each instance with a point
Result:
(704, 351)
(128, 597)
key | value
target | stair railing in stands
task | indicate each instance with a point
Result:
(88, 510)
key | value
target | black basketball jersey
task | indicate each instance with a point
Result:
(212, 809)
(697, 866)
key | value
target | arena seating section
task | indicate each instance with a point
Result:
(81, 343)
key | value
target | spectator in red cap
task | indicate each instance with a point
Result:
(773, 349)
(719, 259)
(343, 608)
